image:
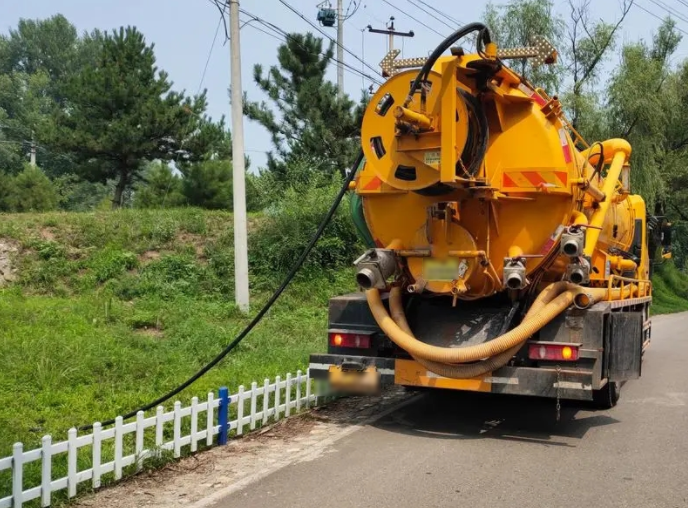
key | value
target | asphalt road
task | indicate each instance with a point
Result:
(486, 451)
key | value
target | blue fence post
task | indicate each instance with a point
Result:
(223, 415)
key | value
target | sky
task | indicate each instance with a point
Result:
(183, 32)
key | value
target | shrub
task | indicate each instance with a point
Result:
(291, 222)
(208, 184)
(160, 188)
(77, 195)
(34, 191)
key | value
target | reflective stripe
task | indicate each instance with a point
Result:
(502, 380)
(570, 385)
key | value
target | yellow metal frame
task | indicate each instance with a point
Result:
(644, 287)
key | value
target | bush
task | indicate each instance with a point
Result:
(34, 192)
(8, 193)
(209, 185)
(161, 188)
(77, 195)
(291, 222)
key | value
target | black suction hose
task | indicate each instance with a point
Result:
(295, 268)
(444, 46)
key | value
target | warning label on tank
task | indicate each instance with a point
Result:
(432, 158)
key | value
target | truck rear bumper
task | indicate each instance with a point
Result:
(567, 383)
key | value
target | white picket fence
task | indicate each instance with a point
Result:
(278, 399)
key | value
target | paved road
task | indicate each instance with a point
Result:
(476, 450)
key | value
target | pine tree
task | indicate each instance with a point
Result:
(306, 118)
(122, 113)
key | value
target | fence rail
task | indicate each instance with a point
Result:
(132, 443)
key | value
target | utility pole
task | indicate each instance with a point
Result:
(391, 32)
(340, 47)
(32, 159)
(241, 295)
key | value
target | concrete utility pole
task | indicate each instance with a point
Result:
(32, 160)
(241, 295)
(340, 47)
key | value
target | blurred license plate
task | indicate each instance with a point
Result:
(363, 382)
(441, 270)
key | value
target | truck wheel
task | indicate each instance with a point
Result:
(607, 397)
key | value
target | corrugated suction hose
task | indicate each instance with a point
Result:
(490, 355)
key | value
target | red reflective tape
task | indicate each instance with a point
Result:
(534, 177)
(379, 243)
(507, 181)
(374, 184)
(565, 146)
(563, 177)
(538, 99)
(567, 154)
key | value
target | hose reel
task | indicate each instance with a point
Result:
(404, 143)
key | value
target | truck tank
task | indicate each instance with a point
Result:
(476, 185)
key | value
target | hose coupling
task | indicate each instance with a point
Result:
(583, 301)
(578, 272)
(375, 267)
(515, 273)
(573, 242)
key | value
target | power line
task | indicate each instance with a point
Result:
(210, 53)
(669, 10)
(414, 19)
(431, 15)
(289, 36)
(450, 18)
(298, 13)
(636, 4)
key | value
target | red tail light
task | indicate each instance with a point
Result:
(349, 339)
(558, 352)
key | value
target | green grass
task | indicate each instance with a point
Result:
(112, 309)
(670, 289)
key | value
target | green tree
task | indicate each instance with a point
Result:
(208, 184)
(79, 195)
(34, 192)
(122, 112)
(515, 23)
(36, 59)
(8, 193)
(645, 104)
(589, 45)
(305, 116)
(160, 187)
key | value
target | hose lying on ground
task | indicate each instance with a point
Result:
(295, 268)
(492, 354)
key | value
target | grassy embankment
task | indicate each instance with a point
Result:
(110, 310)
(670, 289)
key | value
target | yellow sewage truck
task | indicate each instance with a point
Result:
(507, 254)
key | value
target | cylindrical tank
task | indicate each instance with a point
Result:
(477, 178)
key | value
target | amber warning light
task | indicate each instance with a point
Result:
(561, 352)
(344, 339)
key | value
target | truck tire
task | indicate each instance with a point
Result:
(608, 396)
